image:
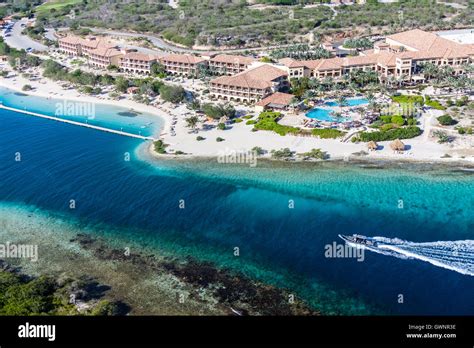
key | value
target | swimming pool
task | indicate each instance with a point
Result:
(350, 102)
(324, 115)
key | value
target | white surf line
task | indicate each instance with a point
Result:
(103, 129)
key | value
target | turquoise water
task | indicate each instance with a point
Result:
(350, 102)
(102, 115)
(228, 206)
(325, 114)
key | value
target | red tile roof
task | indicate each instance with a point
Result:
(277, 98)
(258, 78)
(232, 59)
(140, 56)
(182, 58)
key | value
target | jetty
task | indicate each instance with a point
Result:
(103, 129)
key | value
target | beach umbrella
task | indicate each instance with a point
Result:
(372, 145)
(397, 145)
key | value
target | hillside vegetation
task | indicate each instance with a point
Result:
(235, 23)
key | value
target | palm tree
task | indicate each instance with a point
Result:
(337, 116)
(309, 94)
(314, 83)
(429, 70)
(342, 101)
(391, 80)
(328, 82)
(192, 122)
(401, 79)
(372, 102)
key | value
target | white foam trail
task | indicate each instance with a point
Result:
(453, 255)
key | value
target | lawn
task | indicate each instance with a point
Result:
(56, 4)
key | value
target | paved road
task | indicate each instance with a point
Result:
(161, 44)
(49, 34)
(20, 41)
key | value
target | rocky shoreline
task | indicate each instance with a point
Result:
(234, 293)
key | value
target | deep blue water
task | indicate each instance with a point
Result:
(237, 206)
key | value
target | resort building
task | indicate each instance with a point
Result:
(182, 64)
(92, 43)
(251, 85)
(104, 57)
(400, 56)
(70, 45)
(275, 101)
(137, 63)
(295, 68)
(423, 47)
(76, 46)
(226, 64)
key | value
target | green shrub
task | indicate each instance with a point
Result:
(258, 150)
(464, 130)
(327, 133)
(447, 120)
(283, 153)
(171, 93)
(462, 101)
(200, 138)
(221, 126)
(33, 297)
(408, 99)
(238, 120)
(386, 118)
(250, 122)
(218, 111)
(315, 153)
(434, 104)
(105, 308)
(387, 127)
(392, 134)
(160, 146)
(398, 120)
(411, 121)
(442, 137)
(267, 120)
(219, 139)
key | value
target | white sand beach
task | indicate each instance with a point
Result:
(50, 89)
(239, 137)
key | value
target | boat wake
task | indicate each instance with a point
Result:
(453, 255)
